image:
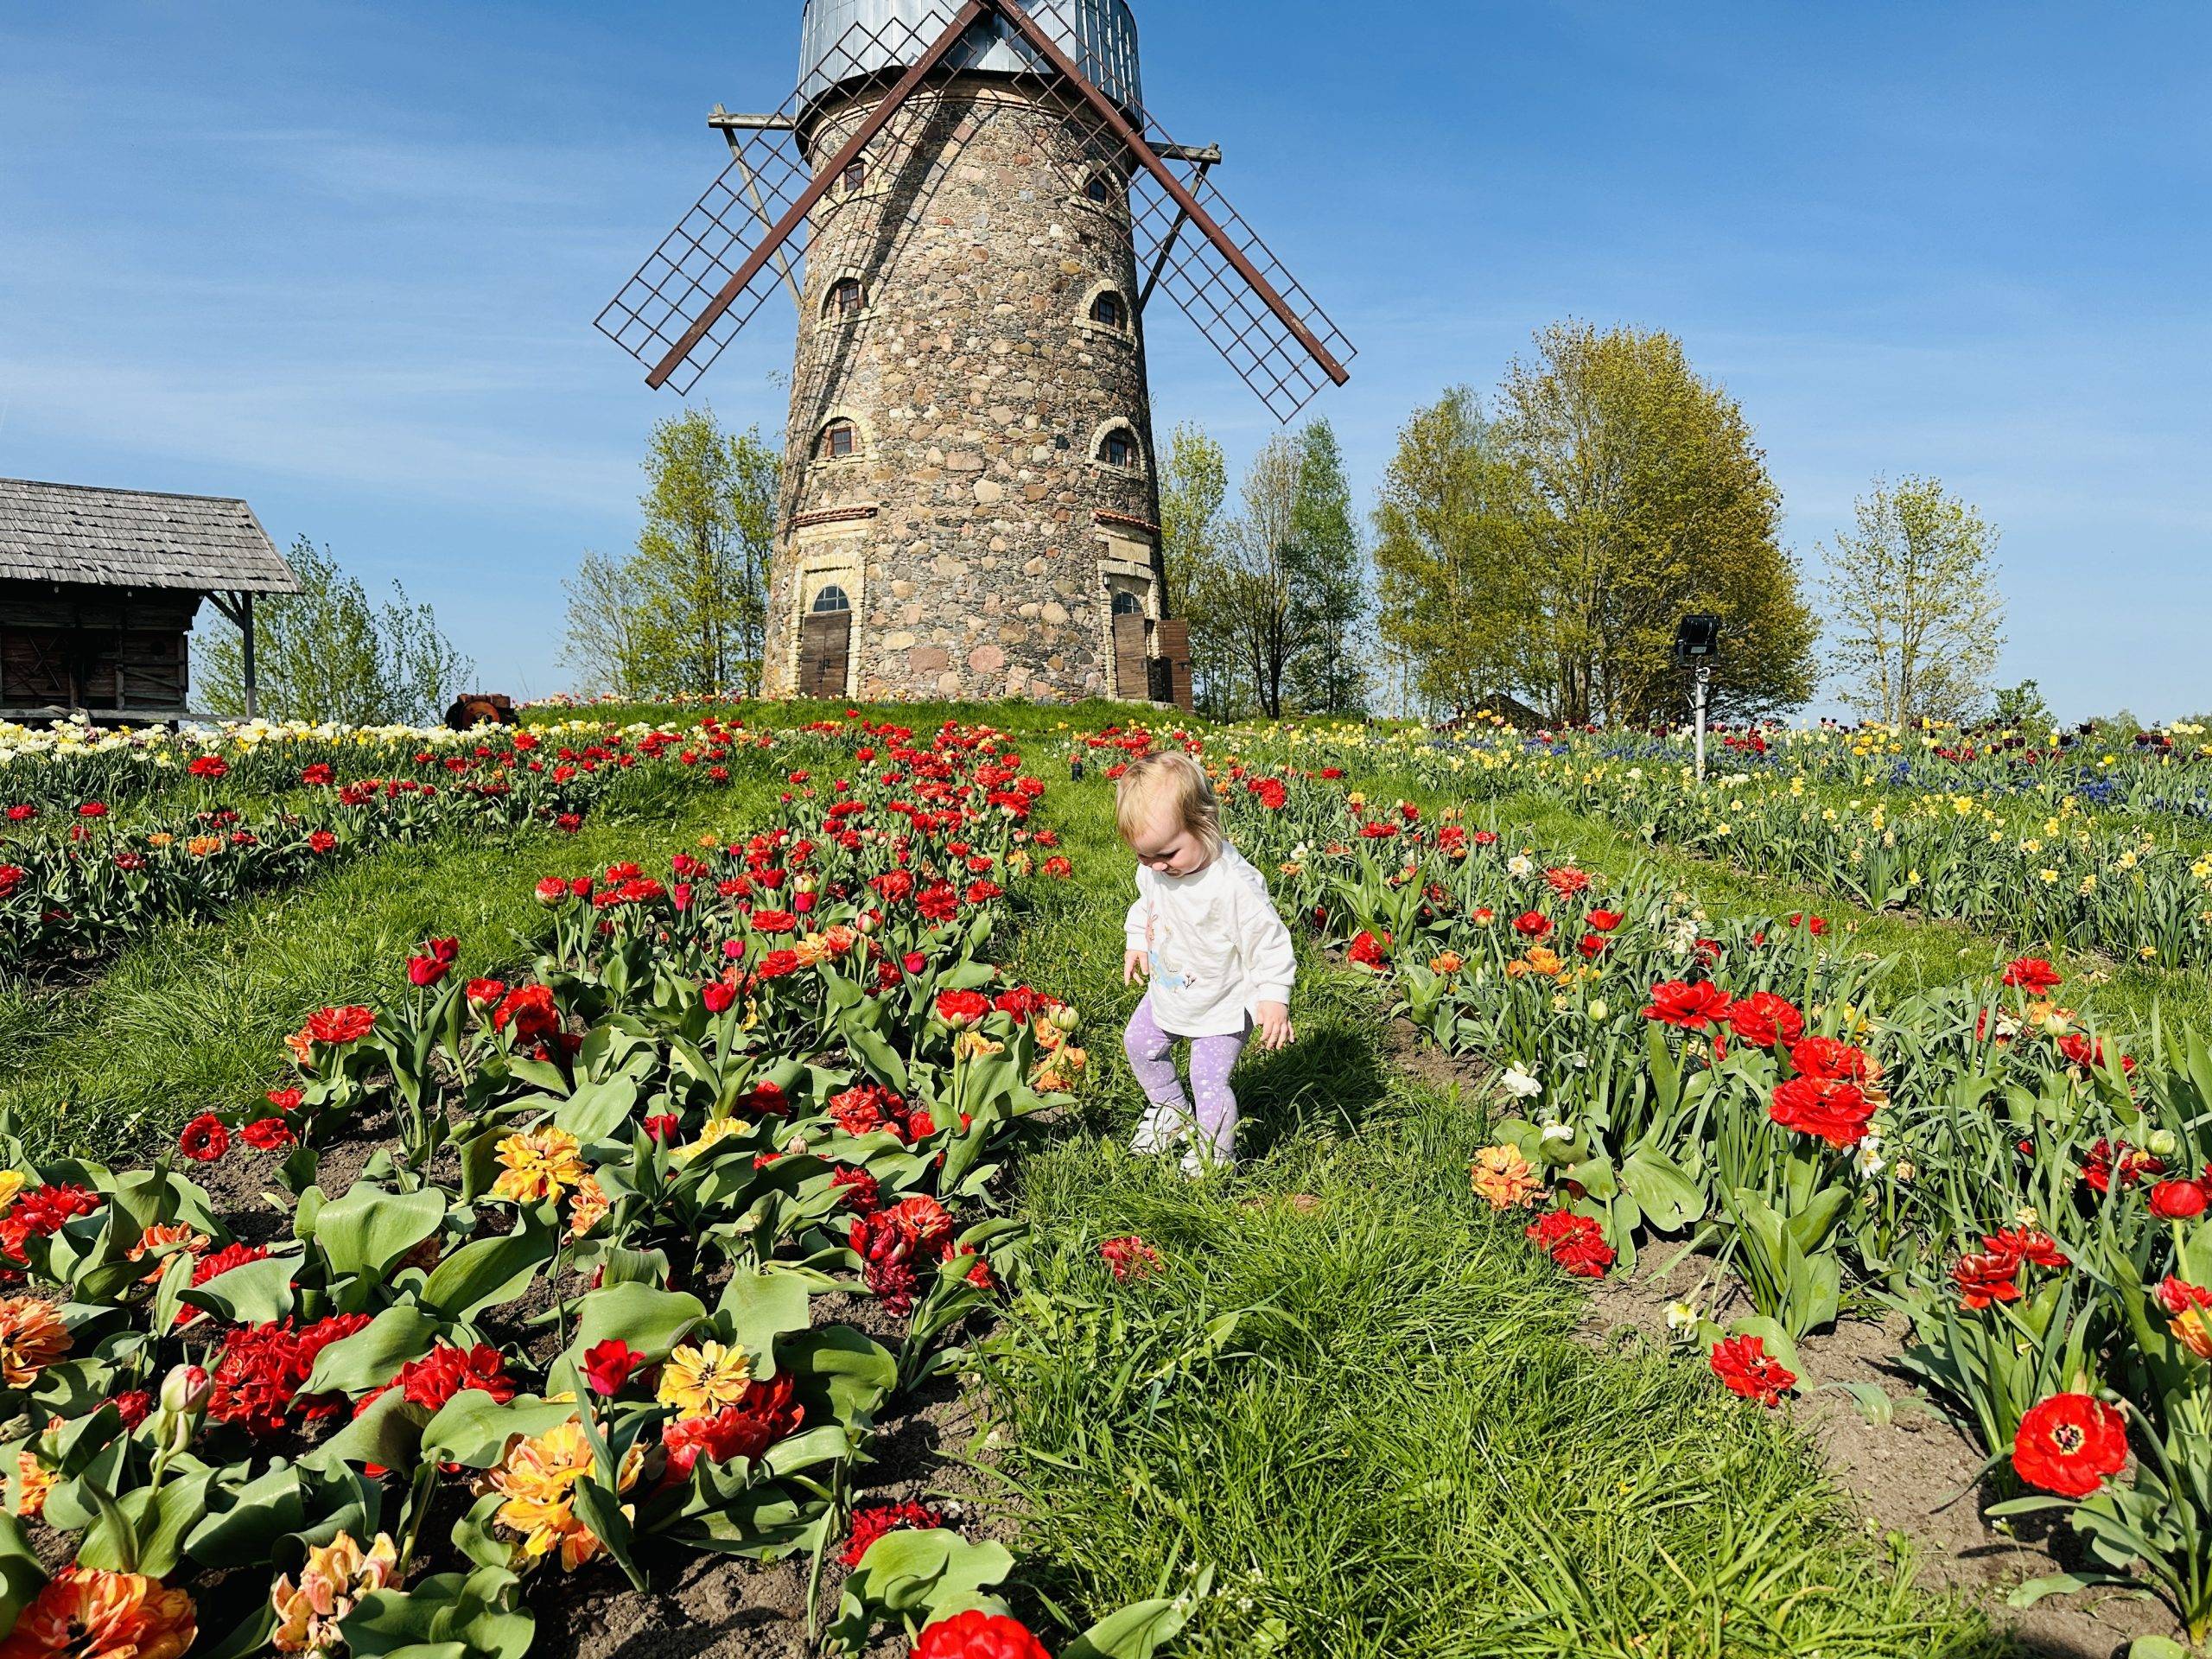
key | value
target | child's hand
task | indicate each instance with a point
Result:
(1274, 1021)
(1136, 965)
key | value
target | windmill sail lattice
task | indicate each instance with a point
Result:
(1215, 267)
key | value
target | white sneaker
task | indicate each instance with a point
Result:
(1200, 1160)
(1158, 1131)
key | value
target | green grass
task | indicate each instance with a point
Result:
(192, 1017)
(1017, 715)
(1367, 1413)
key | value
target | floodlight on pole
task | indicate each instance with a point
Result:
(1697, 643)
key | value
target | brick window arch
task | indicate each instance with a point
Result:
(1110, 310)
(1117, 448)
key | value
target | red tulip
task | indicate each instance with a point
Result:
(2179, 1200)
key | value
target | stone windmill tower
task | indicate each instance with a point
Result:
(972, 210)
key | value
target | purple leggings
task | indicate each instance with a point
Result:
(1211, 1058)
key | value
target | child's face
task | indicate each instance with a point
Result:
(1167, 846)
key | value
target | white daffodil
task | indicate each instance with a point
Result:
(1519, 1085)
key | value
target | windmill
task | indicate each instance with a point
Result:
(972, 210)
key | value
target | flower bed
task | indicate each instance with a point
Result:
(2110, 859)
(563, 1318)
(253, 813)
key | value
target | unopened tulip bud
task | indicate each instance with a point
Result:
(1066, 1018)
(185, 1389)
(2162, 1144)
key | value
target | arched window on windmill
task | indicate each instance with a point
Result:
(1118, 448)
(847, 299)
(853, 179)
(1110, 310)
(839, 440)
(1127, 603)
(832, 600)
(1099, 190)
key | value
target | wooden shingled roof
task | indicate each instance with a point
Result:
(135, 538)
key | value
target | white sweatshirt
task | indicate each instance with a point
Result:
(1216, 947)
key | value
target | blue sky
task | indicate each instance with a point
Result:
(342, 259)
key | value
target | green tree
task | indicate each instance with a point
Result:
(2021, 708)
(700, 568)
(1912, 589)
(606, 642)
(1455, 598)
(327, 653)
(1253, 590)
(688, 610)
(1328, 581)
(1193, 493)
(1640, 496)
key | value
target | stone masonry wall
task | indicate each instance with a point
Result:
(974, 528)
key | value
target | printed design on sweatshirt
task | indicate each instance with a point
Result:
(1159, 940)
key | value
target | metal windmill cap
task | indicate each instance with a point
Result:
(849, 40)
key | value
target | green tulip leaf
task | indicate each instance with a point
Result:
(653, 1321)
(487, 1272)
(374, 1355)
(369, 1230)
(253, 1294)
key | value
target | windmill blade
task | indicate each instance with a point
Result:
(1226, 280)
(672, 290)
(1282, 366)
(712, 273)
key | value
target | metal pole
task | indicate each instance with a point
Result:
(1704, 682)
(759, 208)
(245, 624)
(1168, 243)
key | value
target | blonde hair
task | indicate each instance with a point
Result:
(1171, 779)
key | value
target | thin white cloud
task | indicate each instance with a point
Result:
(384, 429)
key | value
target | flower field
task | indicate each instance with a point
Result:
(2110, 853)
(531, 1274)
(2025, 1186)
(102, 839)
(565, 1307)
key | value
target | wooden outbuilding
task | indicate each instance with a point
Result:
(97, 592)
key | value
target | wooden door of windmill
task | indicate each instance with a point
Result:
(826, 645)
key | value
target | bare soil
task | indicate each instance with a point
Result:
(1918, 1475)
(702, 1606)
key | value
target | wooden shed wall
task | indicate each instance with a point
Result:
(94, 647)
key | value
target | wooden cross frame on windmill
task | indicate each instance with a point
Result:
(98, 590)
(971, 209)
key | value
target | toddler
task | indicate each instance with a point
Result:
(1218, 958)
